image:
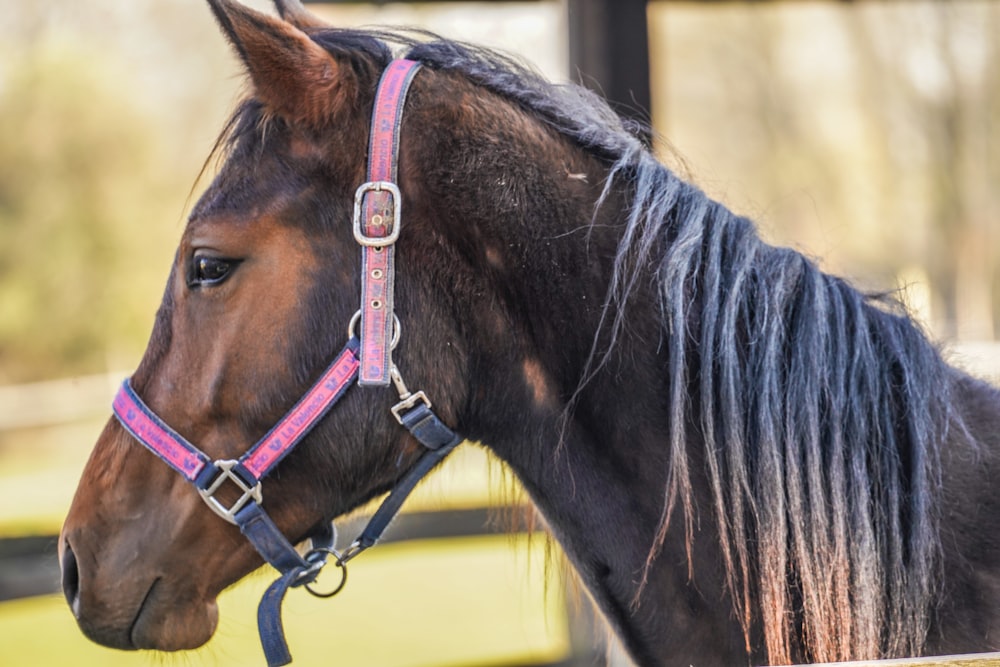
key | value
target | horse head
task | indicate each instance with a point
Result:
(264, 283)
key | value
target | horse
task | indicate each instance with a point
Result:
(745, 460)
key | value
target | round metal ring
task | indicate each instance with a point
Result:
(337, 562)
(397, 328)
(354, 323)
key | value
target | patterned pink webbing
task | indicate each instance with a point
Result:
(385, 119)
(378, 268)
(189, 461)
(293, 426)
(157, 436)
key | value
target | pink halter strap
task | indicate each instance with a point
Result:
(177, 452)
(377, 215)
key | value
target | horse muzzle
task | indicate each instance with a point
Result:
(130, 609)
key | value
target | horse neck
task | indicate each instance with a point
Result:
(592, 457)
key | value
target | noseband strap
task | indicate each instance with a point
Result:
(139, 420)
(366, 359)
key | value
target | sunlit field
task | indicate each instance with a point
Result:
(447, 602)
(455, 601)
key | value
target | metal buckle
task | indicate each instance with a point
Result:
(407, 403)
(225, 468)
(359, 231)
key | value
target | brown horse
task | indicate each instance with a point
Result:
(745, 460)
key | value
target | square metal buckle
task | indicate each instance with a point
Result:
(359, 230)
(226, 473)
(407, 403)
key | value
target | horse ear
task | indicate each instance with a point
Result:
(295, 13)
(293, 76)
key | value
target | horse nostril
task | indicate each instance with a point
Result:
(71, 580)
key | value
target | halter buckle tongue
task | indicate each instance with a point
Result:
(247, 493)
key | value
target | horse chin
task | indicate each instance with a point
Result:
(159, 624)
(166, 625)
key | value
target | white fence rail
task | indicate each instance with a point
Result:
(980, 359)
(76, 399)
(57, 402)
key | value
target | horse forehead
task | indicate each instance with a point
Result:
(247, 188)
(240, 203)
(234, 202)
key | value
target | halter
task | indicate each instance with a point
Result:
(367, 359)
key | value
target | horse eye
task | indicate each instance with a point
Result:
(210, 270)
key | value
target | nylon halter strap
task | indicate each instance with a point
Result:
(366, 359)
(376, 224)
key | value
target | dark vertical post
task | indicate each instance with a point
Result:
(609, 52)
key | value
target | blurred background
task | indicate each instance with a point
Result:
(864, 134)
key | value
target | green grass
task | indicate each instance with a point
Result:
(461, 601)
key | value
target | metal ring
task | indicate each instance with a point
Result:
(321, 561)
(397, 328)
